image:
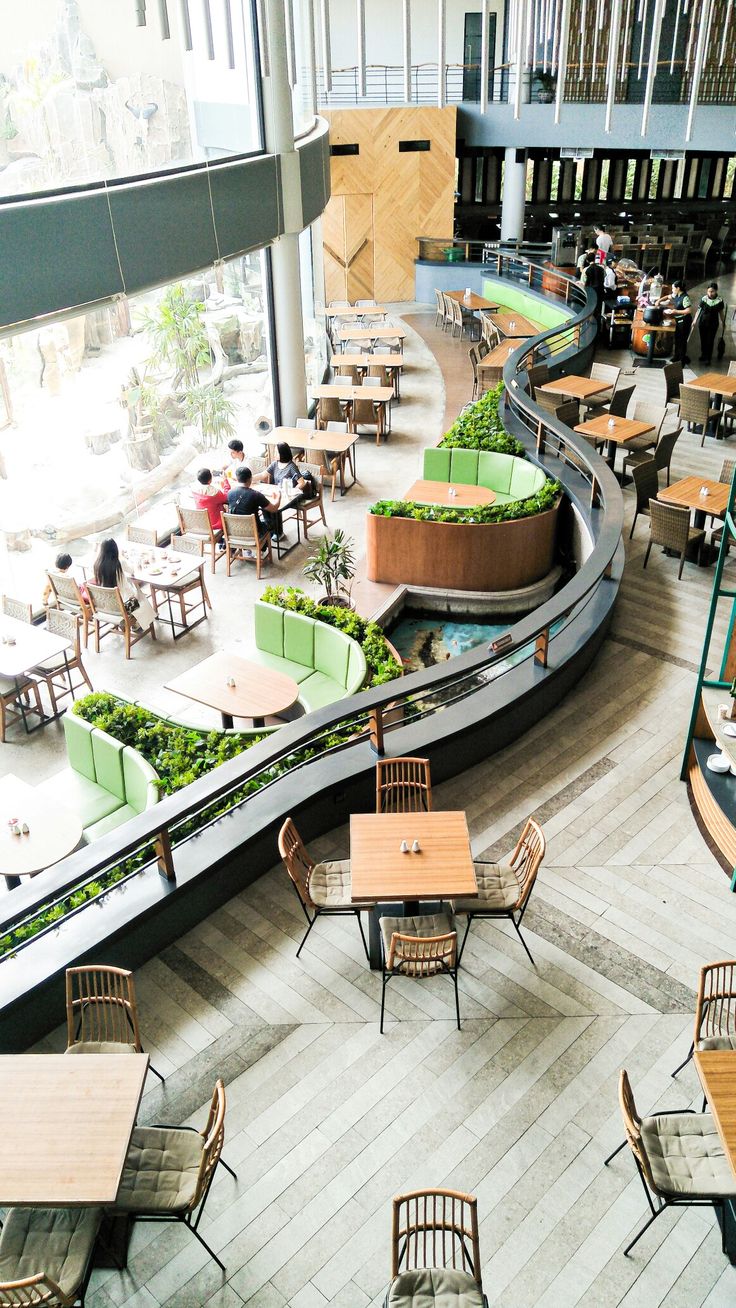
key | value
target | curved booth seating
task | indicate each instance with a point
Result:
(106, 782)
(510, 477)
(326, 664)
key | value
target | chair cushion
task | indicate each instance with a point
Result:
(299, 639)
(494, 470)
(319, 690)
(717, 1042)
(686, 1155)
(497, 889)
(525, 479)
(427, 924)
(161, 1169)
(141, 791)
(464, 467)
(436, 465)
(357, 668)
(78, 736)
(329, 884)
(108, 755)
(68, 789)
(94, 830)
(269, 625)
(100, 1047)
(297, 671)
(434, 1287)
(331, 652)
(57, 1241)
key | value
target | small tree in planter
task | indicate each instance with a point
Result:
(331, 566)
(546, 86)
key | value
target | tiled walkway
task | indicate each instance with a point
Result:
(327, 1119)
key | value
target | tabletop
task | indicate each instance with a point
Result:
(259, 692)
(312, 439)
(335, 392)
(515, 324)
(717, 1071)
(31, 645)
(578, 387)
(471, 301)
(357, 311)
(72, 1119)
(53, 832)
(717, 382)
(158, 567)
(500, 354)
(687, 493)
(438, 492)
(380, 872)
(615, 429)
(368, 360)
(385, 333)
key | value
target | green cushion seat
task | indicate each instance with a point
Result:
(331, 652)
(508, 475)
(464, 467)
(161, 1169)
(357, 669)
(100, 1047)
(69, 789)
(494, 470)
(108, 756)
(526, 479)
(326, 663)
(504, 499)
(55, 1241)
(298, 671)
(78, 736)
(93, 830)
(319, 690)
(269, 624)
(299, 638)
(436, 465)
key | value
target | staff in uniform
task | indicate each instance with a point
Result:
(682, 311)
(711, 313)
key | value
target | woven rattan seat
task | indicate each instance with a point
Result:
(323, 889)
(504, 887)
(435, 1252)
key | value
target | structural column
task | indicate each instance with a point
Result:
(513, 199)
(287, 299)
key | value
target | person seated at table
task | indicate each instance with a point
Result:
(245, 500)
(283, 471)
(62, 565)
(237, 460)
(206, 496)
(108, 571)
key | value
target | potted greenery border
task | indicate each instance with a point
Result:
(546, 86)
(332, 566)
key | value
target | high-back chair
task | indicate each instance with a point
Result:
(700, 256)
(347, 372)
(673, 380)
(142, 535)
(323, 889)
(679, 1157)
(643, 447)
(56, 673)
(536, 376)
(448, 319)
(669, 526)
(646, 485)
(473, 356)
(18, 609)
(403, 785)
(419, 947)
(109, 615)
(618, 408)
(196, 522)
(331, 410)
(504, 888)
(665, 449)
(435, 1249)
(676, 261)
(102, 1012)
(311, 509)
(194, 585)
(439, 309)
(242, 541)
(715, 1010)
(696, 411)
(169, 1170)
(68, 596)
(59, 1240)
(368, 413)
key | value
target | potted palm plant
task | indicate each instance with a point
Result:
(332, 566)
(546, 86)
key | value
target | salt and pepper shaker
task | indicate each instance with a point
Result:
(404, 847)
(230, 681)
(25, 829)
(415, 847)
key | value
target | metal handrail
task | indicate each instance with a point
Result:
(371, 711)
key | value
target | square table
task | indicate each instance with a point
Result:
(381, 874)
(167, 572)
(718, 383)
(312, 440)
(686, 493)
(380, 395)
(576, 388)
(69, 1126)
(515, 324)
(32, 645)
(615, 431)
(438, 492)
(716, 1069)
(473, 302)
(257, 692)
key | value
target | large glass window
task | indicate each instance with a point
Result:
(105, 417)
(85, 94)
(313, 305)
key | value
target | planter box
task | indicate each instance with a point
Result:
(461, 556)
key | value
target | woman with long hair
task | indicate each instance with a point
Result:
(108, 571)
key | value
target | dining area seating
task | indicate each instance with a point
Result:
(435, 1251)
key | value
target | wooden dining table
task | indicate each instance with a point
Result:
(22, 647)
(499, 355)
(166, 573)
(385, 333)
(716, 1069)
(381, 874)
(614, 431)
(257, 692)
(357, 311)
(315, 441)
(53, 830)
(472, 301)
(717, 383)
(515, 324)
(576, 388)
(452, 495)
(687, 493)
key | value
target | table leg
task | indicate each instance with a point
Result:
(227, 720)
(727, 1221)
(112, 1243)
(650, 349)
(611, 454)
(409, 908)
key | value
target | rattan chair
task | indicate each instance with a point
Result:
(669, 526)
(646, 485)
(314, 504)
(68, 596)
(662, 454)
(489, 331)
(347, 373)
(696, 411)
(419, 948)
(715, 1010)
(680, 1160)
(504, 888)
(18, 609)
(448, 316)
(332, 410)
(729, 407)
(15, 696)
(673, 380)
(619, 405)
(102, 1013)
(643, 447)
(56, 673)
(323, 889)
(435, 1250)
(699, 256)
(368, 413)
(403, 785)
(169, 1170)
(110, 616)
(59, 1240)
(536, 376)
(196, 522)
(242, 541)
(142, 535)
(474, 356)
(606, 372)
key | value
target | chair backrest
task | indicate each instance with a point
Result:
(62, 623)
(106, 600)
(33, 1290)
(726, 473)
(438, 301)
(483, 348)
(670, 525)
(546, 400)
(101, 1005)
(654, 413)
(305, 424)
(526, 859)
(435, 1228)
(673, 379)
(537, 375)
(66, 590)
(213, 1137)
(403, 785)
(663, 452)
(240, 529)
(296, 860)
(422, 956)
(142, 535)
(13, 608)
(366, 304)
(188, 545)
(196, 521)
(315, 471)
(620, 401)
(646, 483)
(632, 1127)
(347, 371)
(605, 372)
(374, 378)
(329, 410)
(694, 404)
(715, 1012)
(341, 427)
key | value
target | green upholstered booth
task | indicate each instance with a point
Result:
(511, 478)
(326, 664)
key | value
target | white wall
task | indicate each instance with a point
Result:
(383, 31)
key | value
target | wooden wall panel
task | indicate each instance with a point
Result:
(412, 192)
(333, 238)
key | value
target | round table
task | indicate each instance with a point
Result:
(52, 832)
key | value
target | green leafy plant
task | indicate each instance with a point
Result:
(382, 666)
(479, 427)
(178, 336)
(332, 565)
(208, 408)
(544, 499)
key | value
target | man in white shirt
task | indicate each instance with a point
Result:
(603, 240)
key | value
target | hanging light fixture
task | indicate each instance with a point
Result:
(612, 63)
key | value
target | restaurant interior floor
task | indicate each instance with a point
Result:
(327, 1119)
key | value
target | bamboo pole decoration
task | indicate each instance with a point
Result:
(228, 22)
(186, 24)
(484, 26)
(657, 17)
(207, 16)
(163, 16)
(520, 45)
(612, 63)
(360, 16)
(441, 53)
(697, 70)
(406, 31)
(564, 34)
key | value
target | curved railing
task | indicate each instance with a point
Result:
(421, 708)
